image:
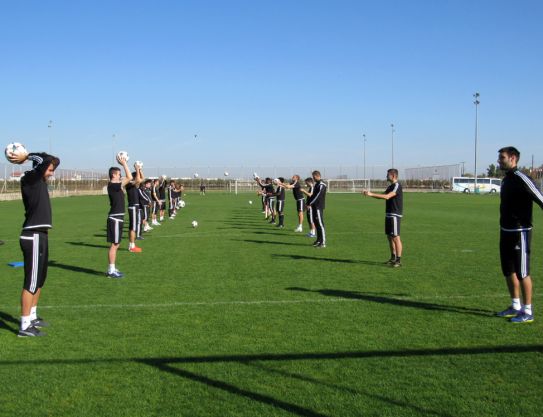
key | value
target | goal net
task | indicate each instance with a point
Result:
(243, 186)
(348, 186)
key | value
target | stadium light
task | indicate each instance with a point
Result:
(476, 102)
(392, 133)
(364, 136)
(462, 172)
(49, 126)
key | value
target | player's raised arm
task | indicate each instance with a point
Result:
(138, 166)
(128, 175)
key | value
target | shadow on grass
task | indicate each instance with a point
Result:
(316, 258)
(271, 242)
(74, 268)
(6, 319)
(349, 390)
(89, 245)
(167, 364)
(381, 299)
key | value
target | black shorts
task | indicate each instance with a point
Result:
(114, 229)
(300, 205)
(515, 253)
(145, 213)
(392, 225)
(310, 215)
(35, 249)
(134, 217)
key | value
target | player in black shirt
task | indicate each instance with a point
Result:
(393, 215)
(310, 184)
(297, 192)
(134, 213)
(115, 217)
(34, 236)
(279, 193)
(145, 204)
(162, 196)
(518, 192)
(317, 204)
(156, 202)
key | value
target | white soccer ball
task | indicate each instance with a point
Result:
(195, 175)
(139, 164)
(164, 177)
(250, 202)
(255, 175)
(276, 181)
(181, 203)
(226, 174)
(16, 149)
(194, 223)
(123, 155)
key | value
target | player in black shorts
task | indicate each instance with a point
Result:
(310, 184)
(134, 213)
(34, 236)
(145, 204)
(317, 204)
(518, 192)
(297, 192)
(268, 198)
(115, 218)
(279, 193)
(156, 202)
(162, 196)
(393, 215)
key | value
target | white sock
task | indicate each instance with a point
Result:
(111, 268)
(528, 309)
(515, 302)
(33, 314)
(25, 322)
(131, 245)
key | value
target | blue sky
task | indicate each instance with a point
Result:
(287, 83)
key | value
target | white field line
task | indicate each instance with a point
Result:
(254, 302)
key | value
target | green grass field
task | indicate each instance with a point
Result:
(238, 318)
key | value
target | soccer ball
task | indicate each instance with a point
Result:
(194, 223)
(16, 149)
(181, 203)
(164, 177)
(276, 181)
(139, 164)
(196, 175)
(123, 155)
(255, 175)
(226, 174)
(250, 202)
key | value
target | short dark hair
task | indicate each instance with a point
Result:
(281, 179)
(316, 173)
(510, 150)
(393, 171)
(112, 170)
(309, 179)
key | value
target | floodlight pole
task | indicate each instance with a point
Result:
(392, 135)
(476, 102)
(462, 172)
(49, 126)
(364, 136)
